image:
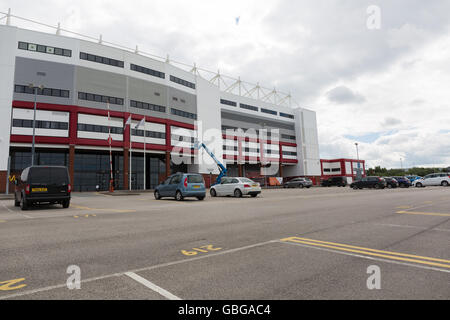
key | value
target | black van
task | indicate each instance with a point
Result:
(43, 184)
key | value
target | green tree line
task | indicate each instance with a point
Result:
(417, 171)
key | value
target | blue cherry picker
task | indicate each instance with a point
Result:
(222, 169)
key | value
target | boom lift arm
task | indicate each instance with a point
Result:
(222, 169)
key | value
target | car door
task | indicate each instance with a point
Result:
(173, 185)
(233, 185)
(430, 180)
(163, 189)
(220, 188)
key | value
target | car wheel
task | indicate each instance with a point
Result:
(16, 203)
(300, 186)
(419, 185)
(213, 193)
(377, 186)
(23, 204)
(237, 193)
(157, 195)
(389, 186)
(444, 184)
(201, 198)
(254, 195)
(66, 204)
(355, 188)
(178, 196)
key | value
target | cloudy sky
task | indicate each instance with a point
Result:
(386, 88)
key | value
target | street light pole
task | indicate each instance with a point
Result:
(34, 121)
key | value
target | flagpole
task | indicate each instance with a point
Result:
(131, 157)
(111, 181)
(145, 152)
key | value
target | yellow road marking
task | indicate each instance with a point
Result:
(9, 284)
(404, 207)
(428, 202)
(96, 209)
(371, 252)
(1, 221)
(425, 213)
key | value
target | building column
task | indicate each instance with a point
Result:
(72, 164)
(167, 164)
(280, 170)
(3, 179)
(241, 174)
(126, 166)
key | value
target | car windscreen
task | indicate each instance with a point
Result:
(49, 175)
(195, 179)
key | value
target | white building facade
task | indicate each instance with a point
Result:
(80, 79)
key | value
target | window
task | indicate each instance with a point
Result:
(148, 71)
(336, 170)
(287, 137)
(100, 59)
(228, 103)
(40, 124)
(99, 129)
(285, 115)
(182, 82)
(99, 98)
(269, 111)
(183, 114)
(147, 106)
(289, 153)
(248, 107)
(42, 92)
(44, 49)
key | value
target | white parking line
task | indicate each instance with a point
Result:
(152, 286)
(410, 227)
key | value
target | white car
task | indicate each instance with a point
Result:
(236, 187)
(434, 179)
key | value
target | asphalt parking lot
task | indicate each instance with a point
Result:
(286, 244)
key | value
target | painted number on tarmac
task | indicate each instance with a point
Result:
(12, 284)
(203, 249)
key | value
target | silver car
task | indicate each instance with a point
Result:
(236, 187)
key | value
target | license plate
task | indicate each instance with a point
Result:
(254, 185)
(196, 187)
(38, 189)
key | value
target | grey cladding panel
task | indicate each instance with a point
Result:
(49, 74)
(101, 82)
(189, 104)
(146, 91)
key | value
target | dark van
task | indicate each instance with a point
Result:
(43, 184)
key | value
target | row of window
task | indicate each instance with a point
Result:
(40, 124)
(148, 134)
(269, 111)
(182, 82)
(332, 170)
(286, 115)
(147, 106)
(289, 153)
(248, 107)
(42, 92)
(287, 137)
(176, 137)
(228, 102)
(148, 71)
(183, 114)
(99, 129)
(99, 98)
(100, 59)
(45, 49)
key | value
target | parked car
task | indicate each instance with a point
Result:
(413, 178)
(434, 179)
(42, 184)
(298, 183)
(236, 187)
(334, 181)
(369, 182)
(403, 182)
(391, 182)
(182, 185)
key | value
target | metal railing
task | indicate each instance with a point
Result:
(225, 83)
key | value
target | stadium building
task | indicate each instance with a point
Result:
(77, 81)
